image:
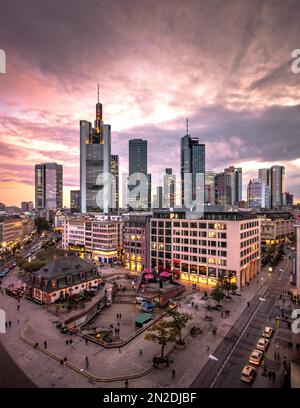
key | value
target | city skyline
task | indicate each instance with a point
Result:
(242, 103)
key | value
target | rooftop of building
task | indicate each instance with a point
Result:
(62, 266)
(206, 215)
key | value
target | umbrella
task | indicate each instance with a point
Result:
(147, 270)
(165, 274)
(149, 276)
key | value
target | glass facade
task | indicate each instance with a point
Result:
(48, 186)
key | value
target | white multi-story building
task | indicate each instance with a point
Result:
(204, 249)
(97, 237)
(276, 227)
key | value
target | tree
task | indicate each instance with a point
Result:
(161, 332)
(42, 225)
(218, 294)
(225, 282)
(180, 321)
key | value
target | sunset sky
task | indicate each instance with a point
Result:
(225, 65)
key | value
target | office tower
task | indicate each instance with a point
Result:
(27, 206)
(264, 176)
(95, 157)
(254, 193)
(114, 169)
(277, 186)
(289, 199)
(2, 207)
(124, 190)
(209, 196)
(228, 186)
(48, 186)
(159, 197)
(139, 185)
(192, 170)
(169, 191)
(75, 200)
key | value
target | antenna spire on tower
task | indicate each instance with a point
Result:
(98, 94)
(187, 126)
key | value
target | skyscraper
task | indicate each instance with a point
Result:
(75, 200)
(159, 197)
(169, 191)
(192, 170)
(264, 175)
(209, 197)
(277, 186)
(114, 169)
(95, 167)
(48, 186)
(228, 186)
(139, 185)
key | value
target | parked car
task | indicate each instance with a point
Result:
(262, 344)
(2, 274)
(268, 332)
(256, 357)
(248, 374)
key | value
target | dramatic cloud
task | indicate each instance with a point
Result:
(224, 64)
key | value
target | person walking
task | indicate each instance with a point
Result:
(86, 342)
(173, 373)
(126, 383)
(87, 362)
(61, 362)
(67, 342)
(45, 345)
(141, 351)
(70, 342)
(18, 308)
(248, 304)
(9, 324)
(207, 348)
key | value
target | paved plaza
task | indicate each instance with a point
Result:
(105, 365)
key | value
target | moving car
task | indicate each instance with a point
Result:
(256, 357)
(248, 374)
(268, 332)
(262, 344)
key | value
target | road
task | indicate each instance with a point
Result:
(242, 337)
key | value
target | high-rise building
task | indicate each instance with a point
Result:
(169, 192)
(139, 185)
(192, 170)
(27, 206)
(48, 186)
(228, 186)
(254, 193)
(159, 197)
(124, 190)
(277, 186)
(264, 176)
(289, 199)
(75, 200)
(114, 169)
(95, 167)
(209, 197)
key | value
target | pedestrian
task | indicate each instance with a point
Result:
(65, 359)
(86, 342)
(36, 345)
(141, 351)
(119, 349)
(207, 348)
(18, 307)
(6, 324)
(120, 316)
(126, 383)
(87, 362)
(118, 324)
(117, 316)
(45, 345)
(173, 373)
(248, 304)
(61, 362)
(9, 324)
(67, 342)
(70, 342)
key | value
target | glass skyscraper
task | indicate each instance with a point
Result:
(48, 186)
(95, 166)
(139, 186)
(192, 170)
